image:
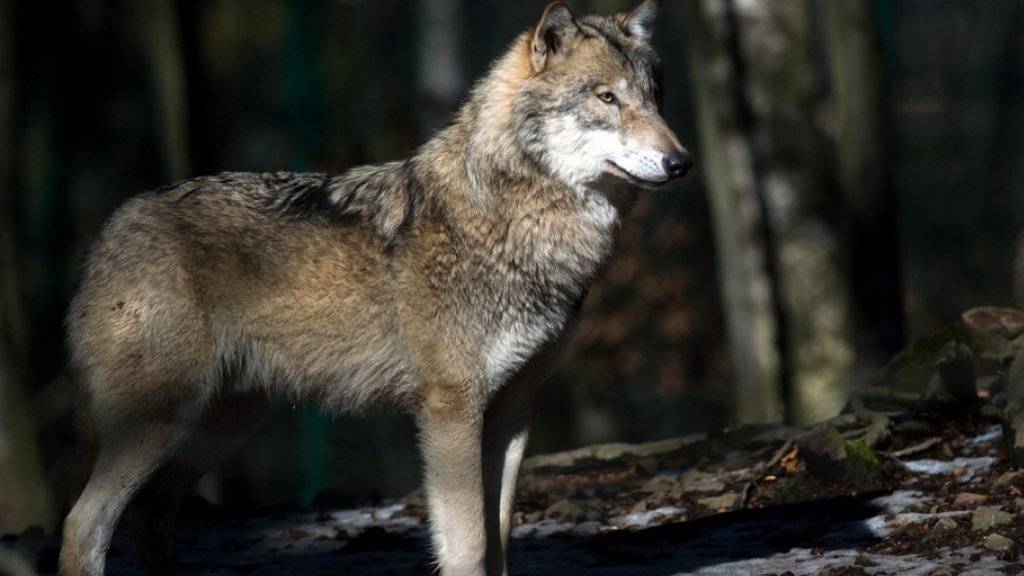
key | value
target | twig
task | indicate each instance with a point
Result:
(763, 470)
(915, 449)
(878, 423)
(892, 459)
(886, 395)
(878, 429)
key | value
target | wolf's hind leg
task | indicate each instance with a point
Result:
(127, 457)
(224, 427)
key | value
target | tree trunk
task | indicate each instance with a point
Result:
(768, 161)
(1018, 272)
(865, 152)
(441, 81)
(728, 169)
(790, 105)
(167, 68)
(24, 498)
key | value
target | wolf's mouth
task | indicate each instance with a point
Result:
(628, 176)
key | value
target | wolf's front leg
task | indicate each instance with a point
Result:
(450, 438)
(506, 428)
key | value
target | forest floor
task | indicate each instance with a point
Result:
(941, 499)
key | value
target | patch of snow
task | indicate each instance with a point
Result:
(970, 466)
(645, 519)
(896, 506)
(992, 434)
(541, 529)
(802, 562)
(353, 522)
(900, 501)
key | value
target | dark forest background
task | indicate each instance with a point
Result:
(859, 184)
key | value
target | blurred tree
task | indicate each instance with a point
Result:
(865, 157)
(50, 72)
(197, 111)
(767, 150)
(959, 112)
(440, 70)
(728, 170)
(24, 498)
(1018, 272)
(169, 89)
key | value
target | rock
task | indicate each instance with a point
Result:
(1008, 549)
(723, 502)
(920, 507)
(1014, 413)
(695, 481)
(993, 331)
(1009, 479)
(832, 459)
(640, 506)
(564, 510)
(955, 378)
(969, 499)
(843, 571)
(946, 523)
(609, 453)
(987, 518)
(991, 411)
(1018, 504)
(993, 384)
(910, 371)
(661, 486)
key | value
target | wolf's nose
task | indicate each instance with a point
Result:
(677, 164)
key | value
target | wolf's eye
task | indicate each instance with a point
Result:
(607, 97)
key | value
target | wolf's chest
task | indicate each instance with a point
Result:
(535, 311)
(510, 346)
(547, 265)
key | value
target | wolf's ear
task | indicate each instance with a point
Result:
(640, 22)
(552, 36)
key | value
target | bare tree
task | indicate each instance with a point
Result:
(729, 173)
(441, 81)
(767, 152)
(857, 64)
(24, 498)
(1018, 272)
(169, 89)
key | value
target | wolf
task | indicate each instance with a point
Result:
(443, 284)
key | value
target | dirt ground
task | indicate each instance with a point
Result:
(936, 496)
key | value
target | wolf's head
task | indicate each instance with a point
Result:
(591, 106)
